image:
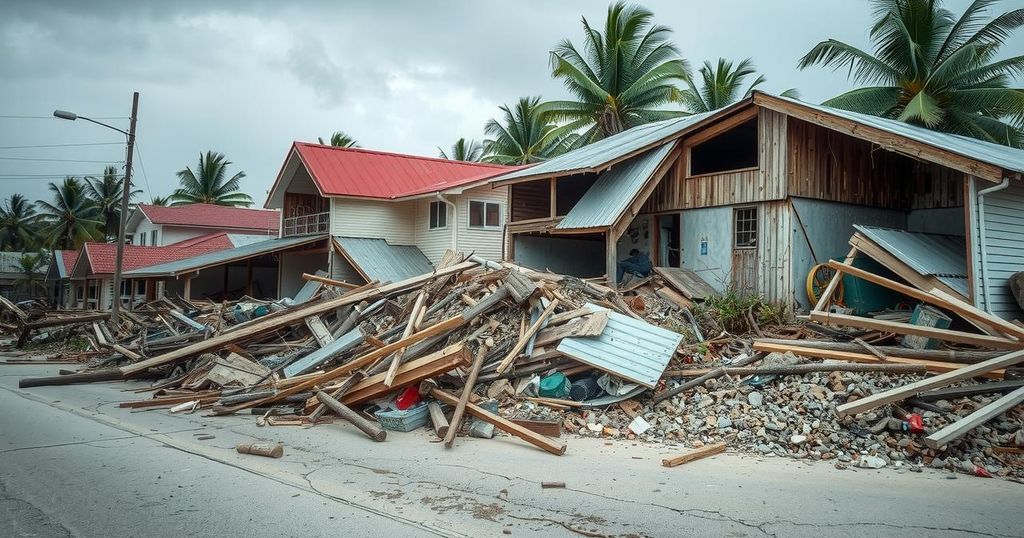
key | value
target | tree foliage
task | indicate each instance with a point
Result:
(525, 135)
(209, 183)
(463, 150)
(71, 218)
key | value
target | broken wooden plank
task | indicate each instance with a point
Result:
(589, 325)
(961, 427)
(438, 420)
(521, 344)
(939, 381)
(973, 339)
(368, 428)
(329, 281)
(702, 452)
(686, 282)
(319, 330)
(467, 389)
(952, 393)
(942, 355)
(932, 366)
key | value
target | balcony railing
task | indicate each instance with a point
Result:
(314, 223)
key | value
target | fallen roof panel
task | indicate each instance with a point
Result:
(628, 348)
(941, 256)
(195, 263)
(379, 260)
(614, 189)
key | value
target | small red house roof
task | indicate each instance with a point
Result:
(213, 216)
(378, 174)
(102, 257)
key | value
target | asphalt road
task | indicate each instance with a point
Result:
(72, 463)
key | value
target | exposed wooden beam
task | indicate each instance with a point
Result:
(961, 427)
(973, 339)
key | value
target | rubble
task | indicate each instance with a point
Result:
(479, 346)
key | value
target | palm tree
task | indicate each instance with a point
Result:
(462, 150)
(720, 86)
(30, 269)
(525, 136)
(621, 77)
(106, 193)
(160, 200)
(72, 218)
(207, 184)
(933, 69)
(17, 224)
(341, 140)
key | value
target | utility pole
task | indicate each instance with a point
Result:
(115, 307)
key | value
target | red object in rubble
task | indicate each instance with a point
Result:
(915, 423)
(408, 398)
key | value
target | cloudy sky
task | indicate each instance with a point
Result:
(248, 78)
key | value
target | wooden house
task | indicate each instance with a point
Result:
(753, 196)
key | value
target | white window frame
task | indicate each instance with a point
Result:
(483, 219)
(142, 239)
(443, 210)
(152, 237)
(756, 230)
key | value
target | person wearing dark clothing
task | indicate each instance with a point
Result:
(636, 264)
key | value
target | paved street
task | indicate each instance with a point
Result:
(74, 464)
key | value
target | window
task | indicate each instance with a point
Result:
(484, 214)
(152, 238)
(745, 228)
(438, 215)
(79, 293)
(140, 287)
(735, 149)
(142, 239)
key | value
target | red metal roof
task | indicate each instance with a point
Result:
(377, 174)
(102, 257)
(213, 216)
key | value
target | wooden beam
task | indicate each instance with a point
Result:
(973, 339)
(503, 424)
(410, 327)
(939, 381)
(961, 427)
(892, 263)
(438, 420)
(885, 139)
(702, 452)
(319, 330)
(329, 281)
(941, 355)
(521, 344)
(932, 366)
(467, 390)
(720, 127)
(826, 296)
(946, 301)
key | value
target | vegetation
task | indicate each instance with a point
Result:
(526, 135)
(462, 150)
(71, 217)
(621, 77)
(341, 140)
(934, 69)
(17, 224)
(720, 85)
(106, 192)
(160, 200)
(729, 311)
(30, 272)
(208, 184)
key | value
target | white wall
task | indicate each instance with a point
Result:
(434, 242)
(393, 221)
(485, 242)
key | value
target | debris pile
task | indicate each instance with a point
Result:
(479, 346)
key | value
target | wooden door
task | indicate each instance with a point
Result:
(744, 250)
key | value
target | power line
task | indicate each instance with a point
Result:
(58, 160)
(27, 117)
(64, 145)
(14, 176)
(142, 167)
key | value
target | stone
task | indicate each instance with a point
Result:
(798, 439)
(755, 399)
(724, 422)
(871, 462)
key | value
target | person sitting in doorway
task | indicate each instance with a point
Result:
(636, 264)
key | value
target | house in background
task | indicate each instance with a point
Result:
(11, 276)
(154, 225)
(755, 195)
(386, 216)
(58, 278)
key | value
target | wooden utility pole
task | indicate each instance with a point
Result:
(115, 307)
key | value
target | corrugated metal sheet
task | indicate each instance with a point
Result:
(383, 261)
(628, 348)
(340, 345)
(188, 265)
(603, 151)
(1004, 241)
(614, 189)
(942, 256)
(378, 174)
(996, 154)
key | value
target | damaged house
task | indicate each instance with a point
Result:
(383, 216)
(756, 196)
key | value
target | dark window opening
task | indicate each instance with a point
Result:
(745, 227)
(531, 200)
(484, 214)
(569, 190)
(438, 215)
(734, 149)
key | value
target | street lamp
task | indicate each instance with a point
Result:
(115, 307)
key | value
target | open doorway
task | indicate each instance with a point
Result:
(669, 253)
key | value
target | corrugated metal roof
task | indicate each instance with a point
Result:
(604, 151)
(377, 174)
(380, 260)
(628, 348)
(187, 265)
(317, 357)
(988, 152)
(941, 256)
(614, 189)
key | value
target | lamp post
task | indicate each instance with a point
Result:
(115, 306)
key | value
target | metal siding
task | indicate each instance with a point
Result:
(385, 262)
(485, 242)
(614, 189)
(635, 350)
(1004, 228)
(393, 221)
